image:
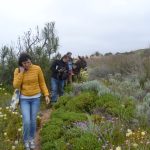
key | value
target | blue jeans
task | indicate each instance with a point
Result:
(29, 109)
(57, 88)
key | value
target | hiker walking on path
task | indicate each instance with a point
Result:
(59, 75)
(30, 80)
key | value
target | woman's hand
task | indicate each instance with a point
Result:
(47, 99)
(21, 69)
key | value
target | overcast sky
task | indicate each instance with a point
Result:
(83, 26)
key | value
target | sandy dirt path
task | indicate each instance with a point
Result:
(45, 115)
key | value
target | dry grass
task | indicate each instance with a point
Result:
(124, 64)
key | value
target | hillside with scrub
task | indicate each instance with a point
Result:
(110, 110)
(107, 107)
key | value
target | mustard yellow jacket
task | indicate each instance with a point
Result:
(31, 82)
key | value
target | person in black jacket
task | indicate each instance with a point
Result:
(59, 75)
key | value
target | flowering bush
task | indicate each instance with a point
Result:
(11, 129)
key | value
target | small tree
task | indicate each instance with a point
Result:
(50, 38)
(39, 46)
(8, 64)
(3, 54)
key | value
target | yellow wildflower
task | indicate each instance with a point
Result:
(13, 147)
(143, 133)
(118, 148)
(5, 134)
(135, 145)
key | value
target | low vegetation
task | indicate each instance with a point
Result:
(89, 120)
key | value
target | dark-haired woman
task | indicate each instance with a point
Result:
(30, 80)
(59, 75)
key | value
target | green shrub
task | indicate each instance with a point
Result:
(5, 100)
(62, 101)
(94, 86)
(56, 128)
(123, 109)
(68, 88)
(87, 141)
(60, 144)
(82, 103)
(48, 146)
(72, 133)
(54, 131)
(113, 132)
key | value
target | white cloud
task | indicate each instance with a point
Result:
(83, 26)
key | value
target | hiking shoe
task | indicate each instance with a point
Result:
(32, 144)
(27, 146)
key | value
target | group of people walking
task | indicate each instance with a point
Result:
(61, 71)
(29, 79)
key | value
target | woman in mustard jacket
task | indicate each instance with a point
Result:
(30, 80)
